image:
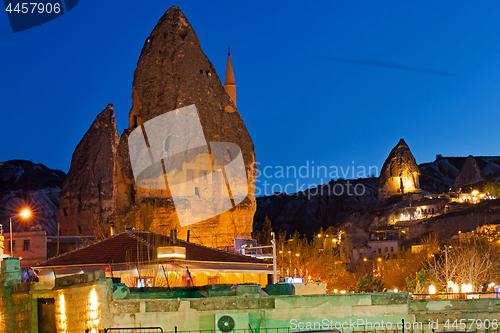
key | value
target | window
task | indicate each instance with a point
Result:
(392, 249)
(386, 249)
(213, 279)
(13, 245)
(188, 282)
(26, 245)
(379, 250)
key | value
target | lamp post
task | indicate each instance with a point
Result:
(25, 214)
(273, 246)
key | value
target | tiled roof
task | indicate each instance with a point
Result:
(140, 246)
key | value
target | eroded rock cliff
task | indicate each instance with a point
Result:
(173, 72)
(88, 195)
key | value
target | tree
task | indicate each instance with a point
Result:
(264, 235)
(398, 267)
(312, 259)
(493, 188)
(368, 284)
(420, 282)
(474, 260)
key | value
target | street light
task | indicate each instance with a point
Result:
(25, 214)
(273, 246)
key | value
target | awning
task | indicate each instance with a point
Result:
(226, 268)
(178, 266)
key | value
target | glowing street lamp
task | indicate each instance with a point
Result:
(25, 214)
(432, 289)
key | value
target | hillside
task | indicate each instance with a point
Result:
(306, 214)
(26, 184)
(439, 176)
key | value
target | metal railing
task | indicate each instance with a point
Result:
(133, 330)
(242, 330)
(474, 295)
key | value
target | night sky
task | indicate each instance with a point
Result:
(331, 82)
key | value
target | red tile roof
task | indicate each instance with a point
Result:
(139, 247)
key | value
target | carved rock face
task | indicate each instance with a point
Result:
(470, 173)
(173, 72)
(88, 195)
(399, 173)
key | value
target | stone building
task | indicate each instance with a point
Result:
(29, 246)
(142, 258)
(399, 174)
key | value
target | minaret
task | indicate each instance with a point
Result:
(230, 85)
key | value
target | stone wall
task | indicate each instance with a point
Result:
(10, 274)
(91, 301)
(25, 304)
(82, 302)
(439, 311)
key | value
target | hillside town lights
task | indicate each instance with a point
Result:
(467, 288)
(25, 214)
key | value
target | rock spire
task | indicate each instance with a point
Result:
(399, 174)
(470, 173)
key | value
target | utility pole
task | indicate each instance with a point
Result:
(275, 272)
(273, 246)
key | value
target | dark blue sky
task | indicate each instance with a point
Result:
(330, 82)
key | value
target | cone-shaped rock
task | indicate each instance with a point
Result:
(173, 72)
(399, 173)
(88, 194)
(470, 173)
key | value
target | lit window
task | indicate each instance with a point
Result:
(213, 279)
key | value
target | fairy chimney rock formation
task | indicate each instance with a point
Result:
(470, 173)
(88, 195)
(399, 174)
(173, 72)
